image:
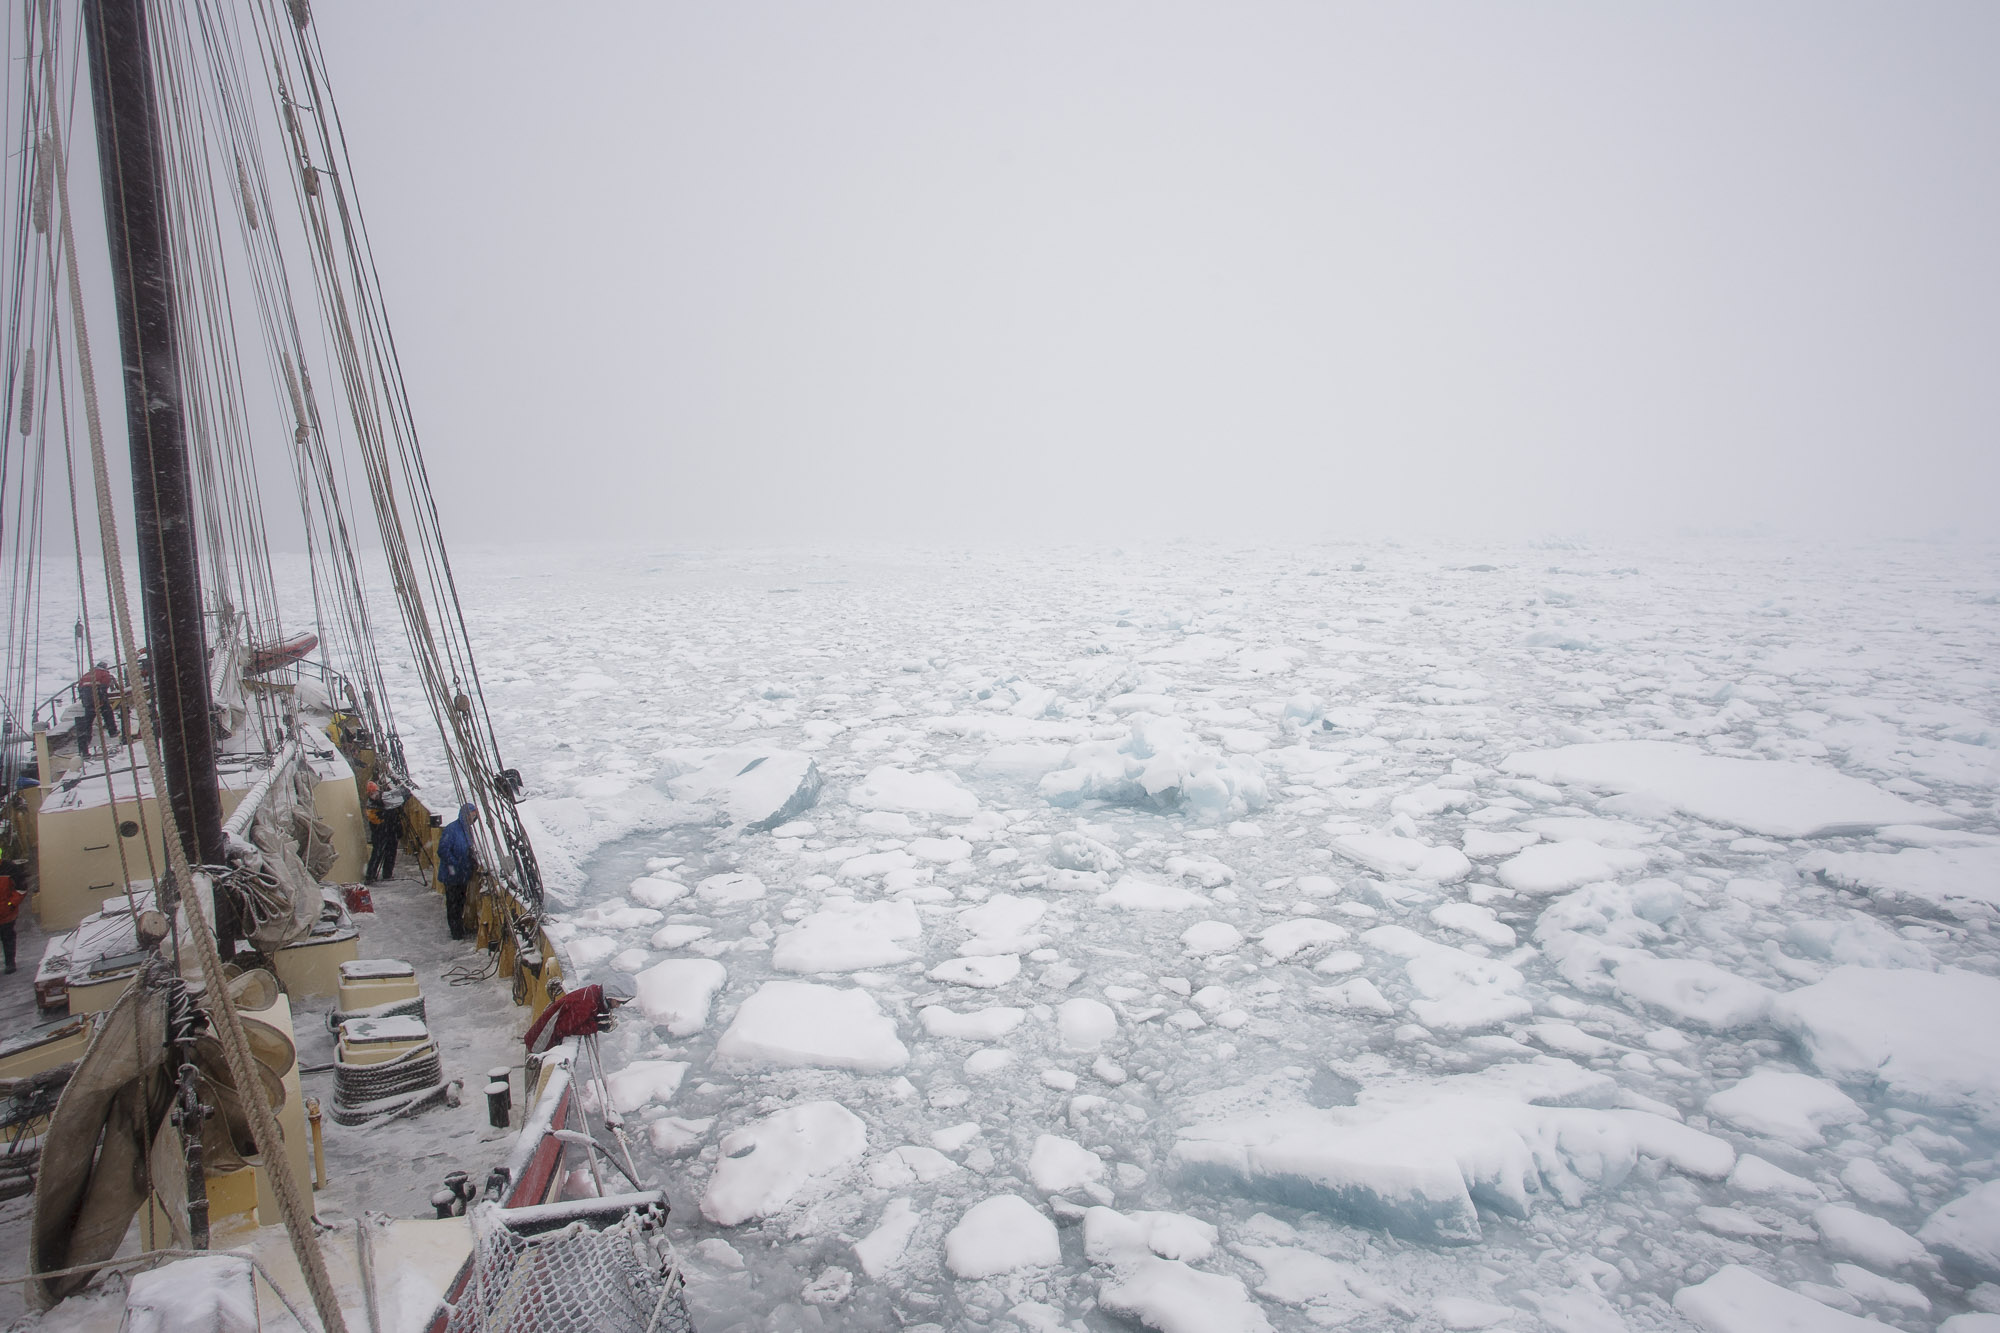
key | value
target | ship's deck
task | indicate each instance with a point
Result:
(392, 1169)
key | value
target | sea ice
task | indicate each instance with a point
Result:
(796, 1023)
(1966, 1232)
(1288, 939)
(998, 1235)
(1059, 1164)
(1792, 1108)
(1086, 1025)
(766, 1164)
(1136, 895)
(1407, 857)
(1159, 765)
(1736, 1300)
(1895, 1027)
(1416, 1166)
(755, 787)
(1557, 867)
(891, 788)
(643, 1081)
(676, 994)
(980, 1025)
(1959, 882)
(848, 936)
(1781, 799)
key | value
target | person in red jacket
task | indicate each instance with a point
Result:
(94, 689)
(583, 1012)
(11, 899)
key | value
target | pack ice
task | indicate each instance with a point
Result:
(1545, 938)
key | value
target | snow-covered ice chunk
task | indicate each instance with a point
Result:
(1085, 1025)
(1078, 851)
(1111, 1237)
(1880, 1244)
(980, 1025)
(999, 1235)
(1958, 882)
(1058, 1164)
(1778, 798)
(1159, 766)
(940, 851)
(1965, 1233)
(1860, 939)
(1901, 1028)
(1288, 939)
(1476, 921)
(1757, 1175)
(730, 889)
(1557, 867)
(768, 1163)
(1414, 1167)
(1003, 916)
(878, 1251)
(891, 788)
(1736, 1300)
(845, 936)
(983, 972)
(794, 1024)
(655, 891)
(1358, 995)
(1167, 1295)
(910, 1164)
(1491, 844)
(1404, 857)
(1459, 991)
(756, 787)
(676, 994)
(1692, 991)
(1792, 1108)
(1682, 1147)
(1136, 895)
(1586, 828)
(1211, 937)
(643, 1081)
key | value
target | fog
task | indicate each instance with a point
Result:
(756, 272)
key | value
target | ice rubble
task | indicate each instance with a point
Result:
(1159, 765)
(1585, 1051)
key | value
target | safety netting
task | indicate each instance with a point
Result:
(622, 1278)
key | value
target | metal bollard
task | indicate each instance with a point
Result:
(499, 1099)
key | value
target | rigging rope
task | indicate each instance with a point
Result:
(235, 1046)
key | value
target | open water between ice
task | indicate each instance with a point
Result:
(1360, 937)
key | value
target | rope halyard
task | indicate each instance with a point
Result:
(235, 1046)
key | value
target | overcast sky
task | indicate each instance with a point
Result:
(768, 272)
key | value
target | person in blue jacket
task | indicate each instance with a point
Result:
(455, 867)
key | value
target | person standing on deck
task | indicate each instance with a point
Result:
(455, 866)
(385, 832)
(11, 899)
(94, 690)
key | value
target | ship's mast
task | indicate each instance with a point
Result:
(131, 164)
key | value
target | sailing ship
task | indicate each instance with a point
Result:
(193, 813)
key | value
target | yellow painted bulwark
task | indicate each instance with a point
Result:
(310, 969)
